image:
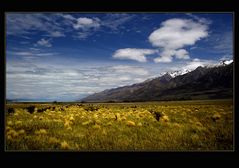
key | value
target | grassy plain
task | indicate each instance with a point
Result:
(151, 126)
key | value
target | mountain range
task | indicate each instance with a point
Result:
(207, 82)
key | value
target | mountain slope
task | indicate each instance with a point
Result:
(201, 83)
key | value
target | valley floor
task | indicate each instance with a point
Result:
(201, 125)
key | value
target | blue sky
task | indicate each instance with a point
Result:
(67, 56)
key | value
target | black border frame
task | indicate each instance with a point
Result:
(119, 158)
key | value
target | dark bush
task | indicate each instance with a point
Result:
(40, 110)
(10, 110)
(157, 114)
(91, 108)
(30, 109)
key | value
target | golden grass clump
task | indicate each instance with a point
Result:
(164, 118)
(8, 128)
(109, 123)
(177, 125)
(86, 122)
(41, 118)
(95, 116)
(71, 118)
(69, 128)
(53, 140)
(216, 117)
(199, 124)
(195, 137)
(65, 145)
(96, 126)
(18, 123)
(130, 123)
(41, 132)
(67, 123)
(139, 124)
(21, 132)
(9, 123)
(12, 133)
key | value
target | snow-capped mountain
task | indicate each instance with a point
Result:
(183, 71)
(200, 83)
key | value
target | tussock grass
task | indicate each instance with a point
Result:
(177, 126)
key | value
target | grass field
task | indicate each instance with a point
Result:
(152, 126)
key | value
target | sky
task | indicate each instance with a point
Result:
(67, 56)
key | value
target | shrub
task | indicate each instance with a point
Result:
(157, 114)
(91, 108)
(40, 110)
(216, 117)
(30, 109)
(11, 110)
(130, 123)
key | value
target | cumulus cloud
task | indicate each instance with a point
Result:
(133, 54)
(174, 35)
(44, 43)
(86, 23)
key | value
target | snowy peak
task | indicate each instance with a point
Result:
(179, 72)
(173, 74)
(183, 71)
(225, 62)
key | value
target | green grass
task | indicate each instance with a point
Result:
(182, 126)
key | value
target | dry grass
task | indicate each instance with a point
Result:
(187, 125)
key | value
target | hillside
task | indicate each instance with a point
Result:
(201, 83)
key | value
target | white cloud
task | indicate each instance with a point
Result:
(115, 21)
(56, 34)
(22, 53)
(125, 69)
(200, 19)
(174, 35)
(68, 16)
(19, 24)
(32, 53)
(56, 25)
(194, 64)
(133, 54)
(181, 54)
(44, 43)
(86, 23)
(163, 59)
(61, 81)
